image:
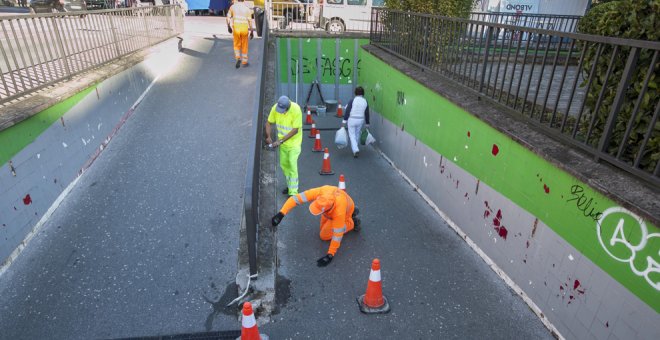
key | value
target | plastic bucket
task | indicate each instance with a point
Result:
(320, 110)
(331, 105)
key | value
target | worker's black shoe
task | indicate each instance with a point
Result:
(238, 63)
(356, 211)
(285, 191)
(356, 224)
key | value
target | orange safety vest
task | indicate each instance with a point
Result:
(339, 215)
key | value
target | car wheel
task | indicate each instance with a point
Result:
(335, 26)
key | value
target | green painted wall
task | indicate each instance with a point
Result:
(628, 249)
(309, 59)
(15, 138)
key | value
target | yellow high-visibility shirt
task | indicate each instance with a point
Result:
(240, 15)
(285, 122)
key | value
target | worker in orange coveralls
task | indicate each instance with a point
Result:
(239, 23)
(338, 215)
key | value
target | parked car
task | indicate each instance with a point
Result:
(288, 11)
(54, 6)
(99, 4)
(339, 15)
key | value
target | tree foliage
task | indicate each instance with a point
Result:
(631, 19)
(450, 8)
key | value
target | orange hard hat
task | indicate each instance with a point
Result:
(321, 204)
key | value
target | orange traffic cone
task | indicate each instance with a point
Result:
(309, 117)
(249, 329)
(373, 301)
(342, 183)
(317, 143)
(312, 131)
(326, 169)
(340, 110)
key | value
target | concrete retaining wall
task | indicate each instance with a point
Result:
(588, 267)
(44, 154)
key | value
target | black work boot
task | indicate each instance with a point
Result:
(238, 63)
(356, 224)
(285, 191)
(356, 211)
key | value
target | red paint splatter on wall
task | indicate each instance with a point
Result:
(546, 188)
(495, 150)
(576, 284)
(488, 210)
(497, 221)
(468, 134)
(502, 232)
(27, 199)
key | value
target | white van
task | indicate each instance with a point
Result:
(340, 15)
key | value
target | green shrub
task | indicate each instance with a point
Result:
(630, 19)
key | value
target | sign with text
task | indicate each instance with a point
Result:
(520, 6)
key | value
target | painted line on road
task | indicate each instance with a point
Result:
(480, 252)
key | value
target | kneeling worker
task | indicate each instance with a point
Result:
(338, 215)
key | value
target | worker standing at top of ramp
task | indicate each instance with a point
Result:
(239, 24)
(338, 215)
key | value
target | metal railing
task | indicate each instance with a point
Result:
(593, 92)
(251, 197)
(309, 15)
(563, 23)
(292, 16)
(39, 50)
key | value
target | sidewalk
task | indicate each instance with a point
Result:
(436, 285)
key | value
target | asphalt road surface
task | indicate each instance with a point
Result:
(146, 242)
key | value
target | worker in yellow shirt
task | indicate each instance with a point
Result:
(287, 118)
(338, 215)
(239, 23)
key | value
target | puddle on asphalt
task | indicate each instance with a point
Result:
(211, 295)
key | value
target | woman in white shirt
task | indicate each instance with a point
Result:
(356, 115)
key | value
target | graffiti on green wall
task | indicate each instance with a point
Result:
(313, 64)
(613, 238)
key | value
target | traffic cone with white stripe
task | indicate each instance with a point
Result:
(249, 329)
(317, 143)
(309, 117)
(312, 131)
(342, 183)
(326, 169)
(373, 301)
(340, 110)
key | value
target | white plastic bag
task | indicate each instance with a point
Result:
(370, 138)
(341, 138)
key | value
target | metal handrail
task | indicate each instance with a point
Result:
(576, 87)
(251, 197)
(39, 50)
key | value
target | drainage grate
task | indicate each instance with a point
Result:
(222, 335)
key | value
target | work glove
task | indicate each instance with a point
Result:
(324, 261)
(229, 29)
(277, 219)
(251, 35)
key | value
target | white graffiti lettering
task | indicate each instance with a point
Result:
(625, 237)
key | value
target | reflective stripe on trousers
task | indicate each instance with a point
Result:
(289, 165)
